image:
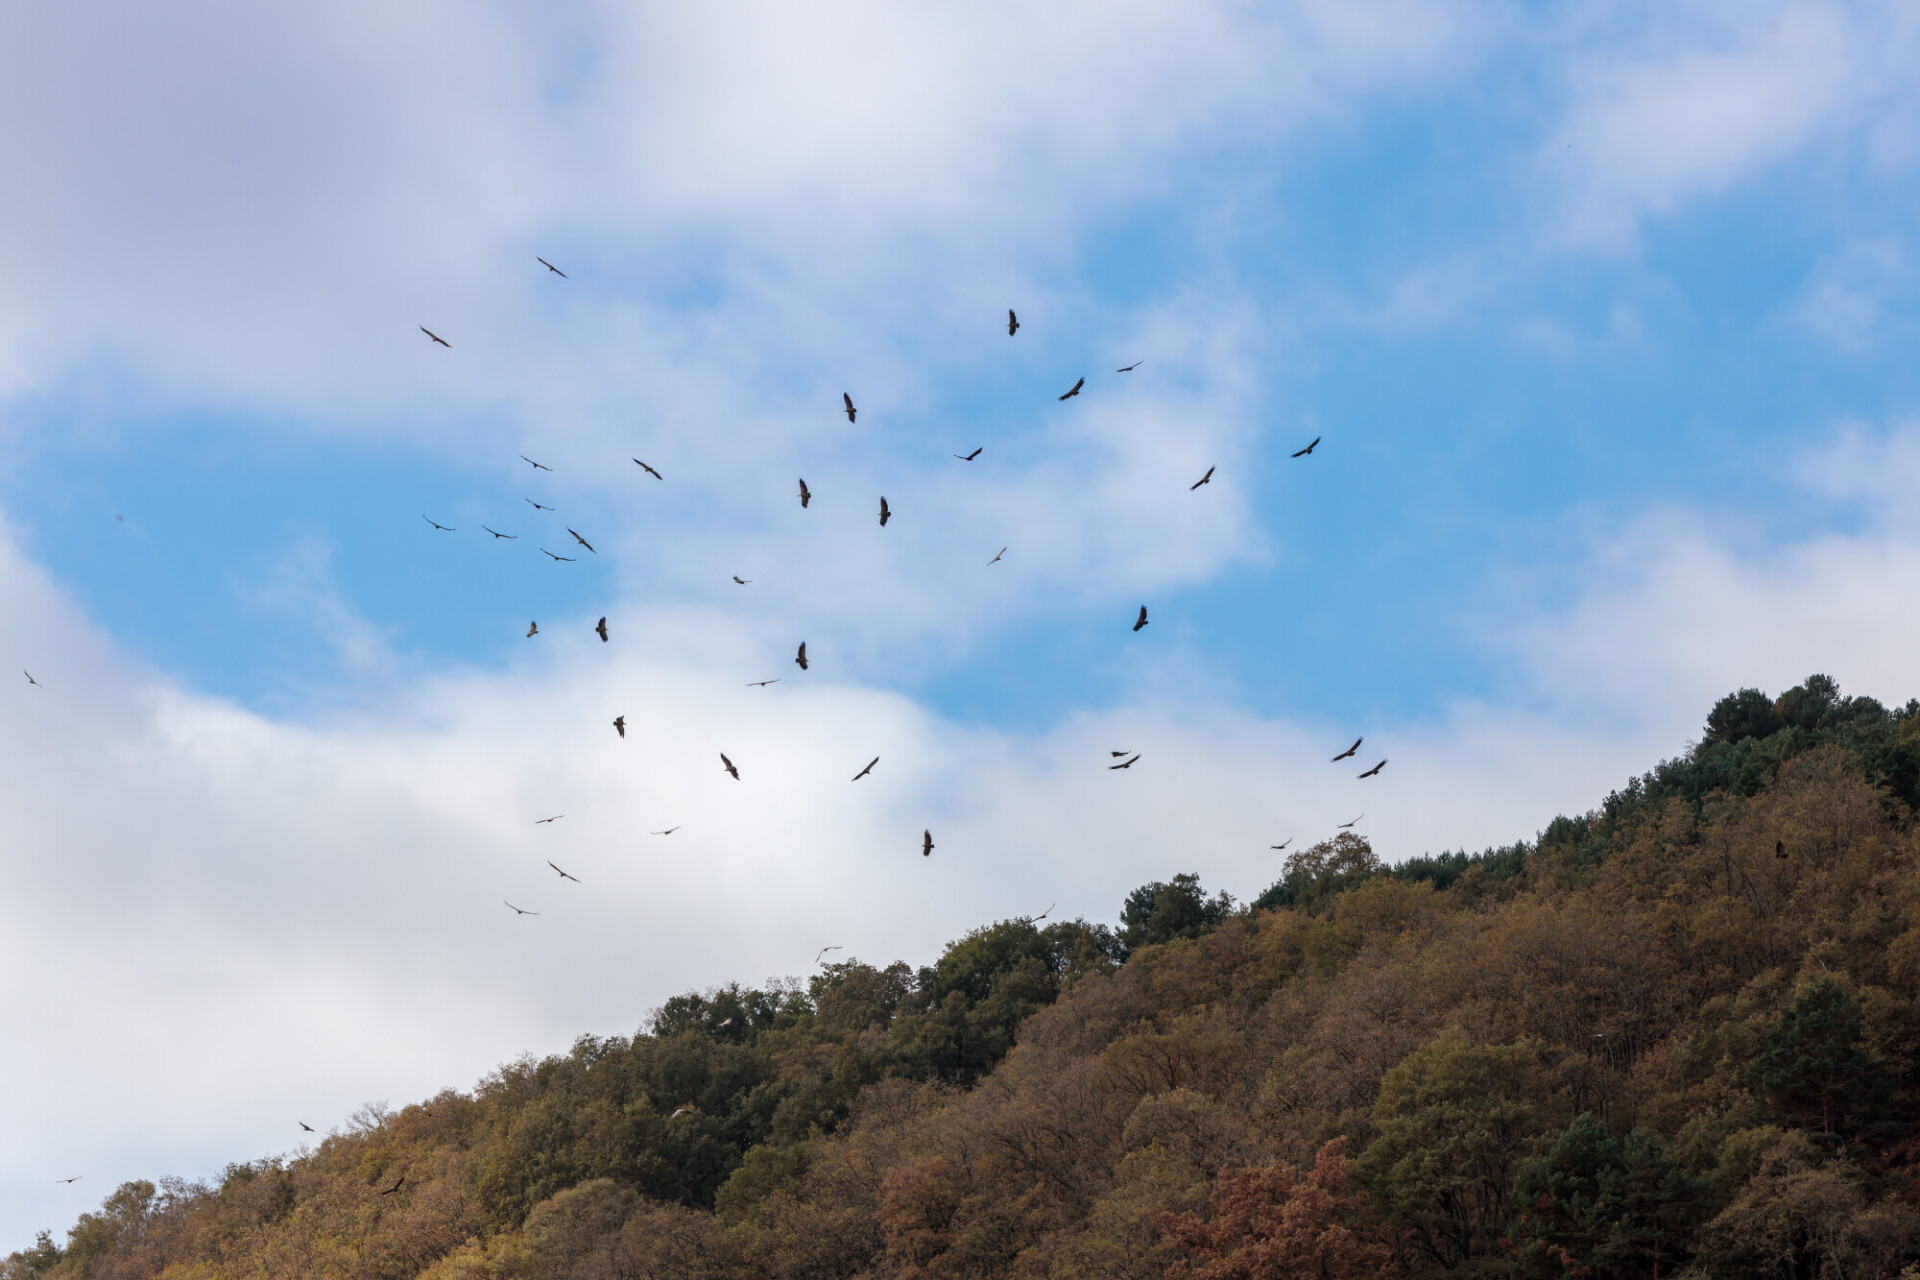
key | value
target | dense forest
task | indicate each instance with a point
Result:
(1678, 1035)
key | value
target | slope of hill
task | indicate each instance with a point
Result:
(1678, 1033)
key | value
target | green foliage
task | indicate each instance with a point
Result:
(1160, 912)
(1314, 876)
(1812, 1070)
(1616, 1208)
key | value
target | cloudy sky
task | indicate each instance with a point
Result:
(1605, 315)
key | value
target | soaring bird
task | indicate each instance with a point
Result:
(533, 629)
(1377, 768)
(1013, 323)
(681, 1112)
(601, 627)
(304, 1125)
(30, 680)
(669, 831)
(1141, 621)
(805, 495)
(583, 542)
(824, 951)
(549, 266)
(436, 337)
(530, 462)
(396, 1186)
(1074, 390)
(851, 411)
(436, 524)
(565, 876)
(510, 537)
(728, 766)
(969, 457)
(649, 470)
(1349, 751)
(1205, 479)
(742, 581)
(761, 684)
(1348, 825)
(869, 769)
(996, 556)
(537, 507)
(520, 911)
(1044, 914)
(1130, 368)
(1283, 844)
(1124, 764)
(885, 515)
(1309, 449)
(620, 725)
(801, 660)
(926, 844)
(75, 1178)
(543, 821)
(1117, 754)
(561, 559)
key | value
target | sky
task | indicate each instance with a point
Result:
(1604, 316)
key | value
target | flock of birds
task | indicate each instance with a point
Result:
(1125, 759)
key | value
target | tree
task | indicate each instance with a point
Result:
(1160, 912)
(1811, 1069)
(1590, 1203)
(1313, 876)
(1274, 1223)
(1746, 714)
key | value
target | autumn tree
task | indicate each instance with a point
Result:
(1275, 1223)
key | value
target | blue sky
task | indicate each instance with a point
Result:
(1604, 313)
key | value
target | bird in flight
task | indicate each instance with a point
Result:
(1124, 764)
(1141, 621)
(926, 844)
(555, 818)
(805, 496)
(565, 876)
(1013, 323)
(728, 766)
(436, 337)
(436, 524)
(403, 1179)
(1205, 479)
(1283, 844)
(885, 515)
(1349, 751)
(824, 951)
(510, 537)
(997, 555)
(684, 1110)
(1117, 754)
(1130, 368)
(30, 680)
(1309, 449)
(517, 911)
(649, 470)
(851, 411)
(801, 660)
(1377, 768)
(533, 629)
(620, 725)
(969, 457)
(75, 1178)
(761, 684)
(583, 542)
(742, 581)
(869, 769)
(549, 266)
(1074, 390)
(304, 1125)
(538, 507)
(1346, 825)
(1044, 914)
(530, 462)
(669, 831)
(601, 627)
(562, 559)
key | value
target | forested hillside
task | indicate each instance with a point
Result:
(1680, 1033)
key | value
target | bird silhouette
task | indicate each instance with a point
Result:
(1309, 449)
(601, 627)
(537, 507)
(824, 951)
(669, 831)
(969, 457)
(1124, 764)
(436, 524)
(533, 629)
(649, 470)
(1117, 754)
(436, 337)
(520, 911)
(304, 1125)
(1283, 844)
(396, 1186)
(851, 411)
(30, 680)
(805, 496)
(1141, 621)
(1074, 390)
(742, 581)
(681, 1112)
(549, 266)
(75, 1178)
(560, 558)
(1205, 479)
(885, 515)
(1044, 914)
(1130, 368)
(1377, 768)
(564, 875)
(510, 537)
(583, 542)
(926, 844)
(996, 556)
(536, 466)
(801, 659)
(1013, 323)
(620, 725)
(869, 769)
(543, 821)
(761, 684)
(728, 766)
(1348, 825)
(1349, 751)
